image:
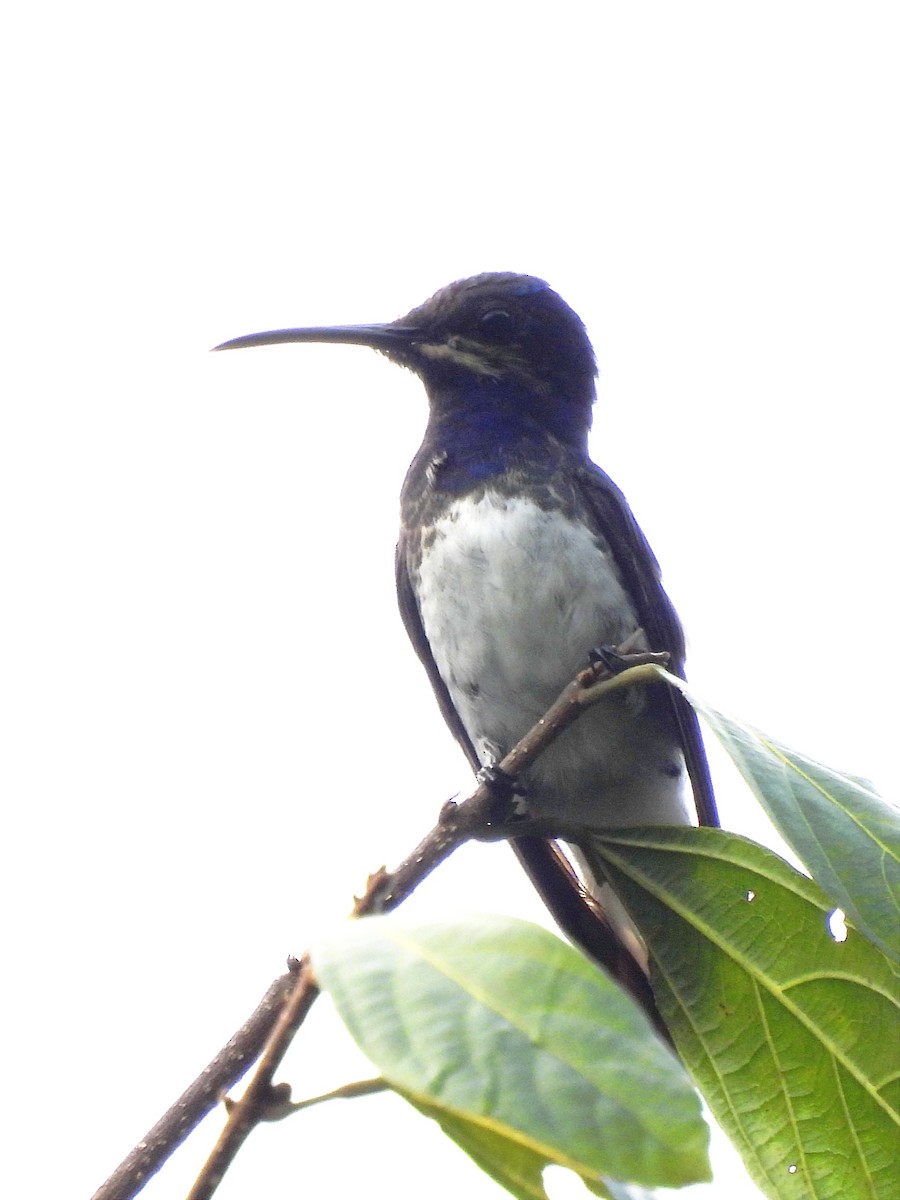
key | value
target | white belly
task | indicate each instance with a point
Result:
(512, 599)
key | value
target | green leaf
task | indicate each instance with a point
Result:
(510, 1161)
(794, 1038)
(523, 1051)
(838, 826)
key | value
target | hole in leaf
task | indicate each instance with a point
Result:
(837, 926)
(792, 1169)
(751, 895)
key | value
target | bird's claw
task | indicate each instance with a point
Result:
(630, 653)
(506, 792)
(609, 657)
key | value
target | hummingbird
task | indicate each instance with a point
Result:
(517, 558)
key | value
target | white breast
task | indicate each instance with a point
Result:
(512, 600)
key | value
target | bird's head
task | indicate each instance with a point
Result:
(494, 333)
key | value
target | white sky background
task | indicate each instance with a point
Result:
(212, 724)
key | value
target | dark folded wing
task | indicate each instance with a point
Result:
(641, 576)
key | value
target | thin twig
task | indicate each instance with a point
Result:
(289, 998)
(347, 1091)
(473, 817)
(252, 1106)
(232, 1061)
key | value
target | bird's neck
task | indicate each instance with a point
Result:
(486, 427)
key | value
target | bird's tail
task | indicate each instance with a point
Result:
(591, 915)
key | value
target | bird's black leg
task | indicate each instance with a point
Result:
(616, 659)
(507, 792)
(609, 657)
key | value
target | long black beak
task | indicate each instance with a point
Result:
(379, 337)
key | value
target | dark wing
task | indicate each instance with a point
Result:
(576, 912)
(641, 575)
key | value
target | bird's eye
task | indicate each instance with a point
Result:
(498, 324)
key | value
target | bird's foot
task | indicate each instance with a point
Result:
(507, 793)
(609, 657)
(607, 661)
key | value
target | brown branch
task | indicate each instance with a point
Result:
(289, 998)
(232, 1061)
(474, 816)
(252, 1106)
